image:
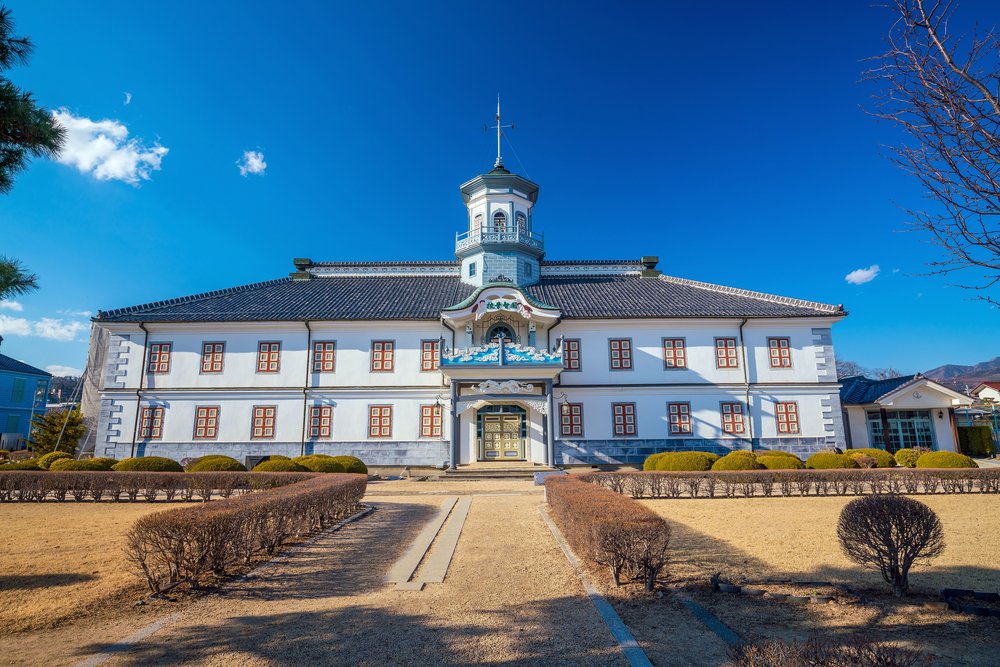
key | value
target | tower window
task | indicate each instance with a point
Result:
(521, 222)
(527, 269)
(499, 222)
(472, 269)
(477, 224)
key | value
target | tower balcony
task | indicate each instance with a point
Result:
(518, 237)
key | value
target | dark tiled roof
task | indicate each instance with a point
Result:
(425, 296)
(858, 389)
(15, 366)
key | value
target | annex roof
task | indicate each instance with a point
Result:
(859, 390)
(12, 365)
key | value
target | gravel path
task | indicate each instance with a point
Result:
(509, 598)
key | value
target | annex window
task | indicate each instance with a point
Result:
(324, 356)
(212, 355)
(620, 350)
(726, 353)
(383, 356)
(679, 418)
(674, 353)
(623, 419)
(786, 414)
(430, 355)
(779, 351)
(320, 421)
(264, 417)
(151, 425)
(268, 357)
(159, 358)
(571, 419)
(499, 222)
(732, 418)
(571, 354)
(430, 421)
(206, 422)
(379, 421)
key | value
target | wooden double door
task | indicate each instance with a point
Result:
(502, 439)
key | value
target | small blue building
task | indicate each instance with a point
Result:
(23, 393)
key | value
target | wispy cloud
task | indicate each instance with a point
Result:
(862, 276)
(11, 305)
(252, 162)
(76, 313)
(128, 98)
(102, 149)
(46, 327)
(64, 371)
(17, 326)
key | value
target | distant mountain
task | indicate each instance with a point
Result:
(957, 377)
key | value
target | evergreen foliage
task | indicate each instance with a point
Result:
(47, 427)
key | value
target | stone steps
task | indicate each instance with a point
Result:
(470, 473)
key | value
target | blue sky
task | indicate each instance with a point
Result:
(729, 139)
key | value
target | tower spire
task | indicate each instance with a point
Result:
(499, 127)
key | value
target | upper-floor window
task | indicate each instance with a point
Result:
(430, 421)
(732, 418)
(383, 356)
(151, 424)
(779, 351)
(620, 350)
(212, 355)
(571, 354)
(726, 353)
(521, 222)
(623, 419)
(379, 421)
(430, 355)
(206, 422)
(264, 418)
(268, 357)
(786, 414)
(571, 419)
(324, 356)
(674, 353)
(499, 222)
(320, 421)
(159, 358)
(679, 418)
(17, 391)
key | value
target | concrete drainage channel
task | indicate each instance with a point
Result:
(442, 534)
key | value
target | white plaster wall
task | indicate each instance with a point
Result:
(857, 416)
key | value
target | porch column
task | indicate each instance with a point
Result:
(456, 427)
(550, 435)
(884, 416)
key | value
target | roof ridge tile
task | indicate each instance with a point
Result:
(764, 296)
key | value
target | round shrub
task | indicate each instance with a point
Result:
(148, 464)
(683, 461)
(216, 463)
(4, 453)
(908, 457)
(776, 452)
(883, 458)
(85, 464)
(781, 462)
(319, 464)
(279, 466)
(278, 457)
(738, 460)
(48, 459)
(827, 460)
(352, 464)
(30, 464)
(650, 462)
(945, 460)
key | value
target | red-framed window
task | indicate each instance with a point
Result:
(212, 356)
(159, 358)
(151, 425)
(324, 356)
(571, 419)
(786, 413)
(320, 421)
(733, 418)
(571, 354)
(779, 351)
(264, 418)
(674, 353)
(726, 353)
(268, 357)
(679, 418)
(206, 422)
(431, 419)
(620, 350)
(623, 419)
(430, 355)
(383, 356)
(379, 421)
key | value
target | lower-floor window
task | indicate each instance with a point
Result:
(679, 418)
(907, 428)
(379, 421)
(732, 418)
(786, 415)
(623, 417)
(571, 419)
(263, 422)
(430, 421)
(151, 427)
(206, 422)
(320, 421)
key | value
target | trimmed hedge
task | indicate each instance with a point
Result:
(945, 460)
(216, 463)
(279, 465)
(324, 464)
(776, 452)
(681, 461)
(828, 461)
(189, 544)
(738, 460)
(908, 457)
(148, 464)
(626, 536)
(30, 464)
(975, 440)
(46, 460)
(883, 458)
(352, 464)
(781, 462)
(83, 464)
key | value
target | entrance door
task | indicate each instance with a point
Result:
(502, 438)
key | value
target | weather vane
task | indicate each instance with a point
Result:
(499, 128)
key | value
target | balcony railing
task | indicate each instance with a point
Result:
(511, 235)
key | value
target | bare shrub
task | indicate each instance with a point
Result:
(891, 534)
(814, 652)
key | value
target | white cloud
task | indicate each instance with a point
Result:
(102, 149)
(11, 305)
(862, 276)
(128, 98)
(252, 162)
(17, 326)
(47, 327)
(76, 313)
(64, 371)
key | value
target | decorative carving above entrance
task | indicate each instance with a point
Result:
(505, 387)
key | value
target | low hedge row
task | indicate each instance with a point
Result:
(627, 537)
(766, 483)
(188, 544)
(36, 486)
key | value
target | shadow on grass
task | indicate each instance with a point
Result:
(23, 582)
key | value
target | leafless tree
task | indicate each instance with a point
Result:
(941, 88)
(890, 534)
(846, 368)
